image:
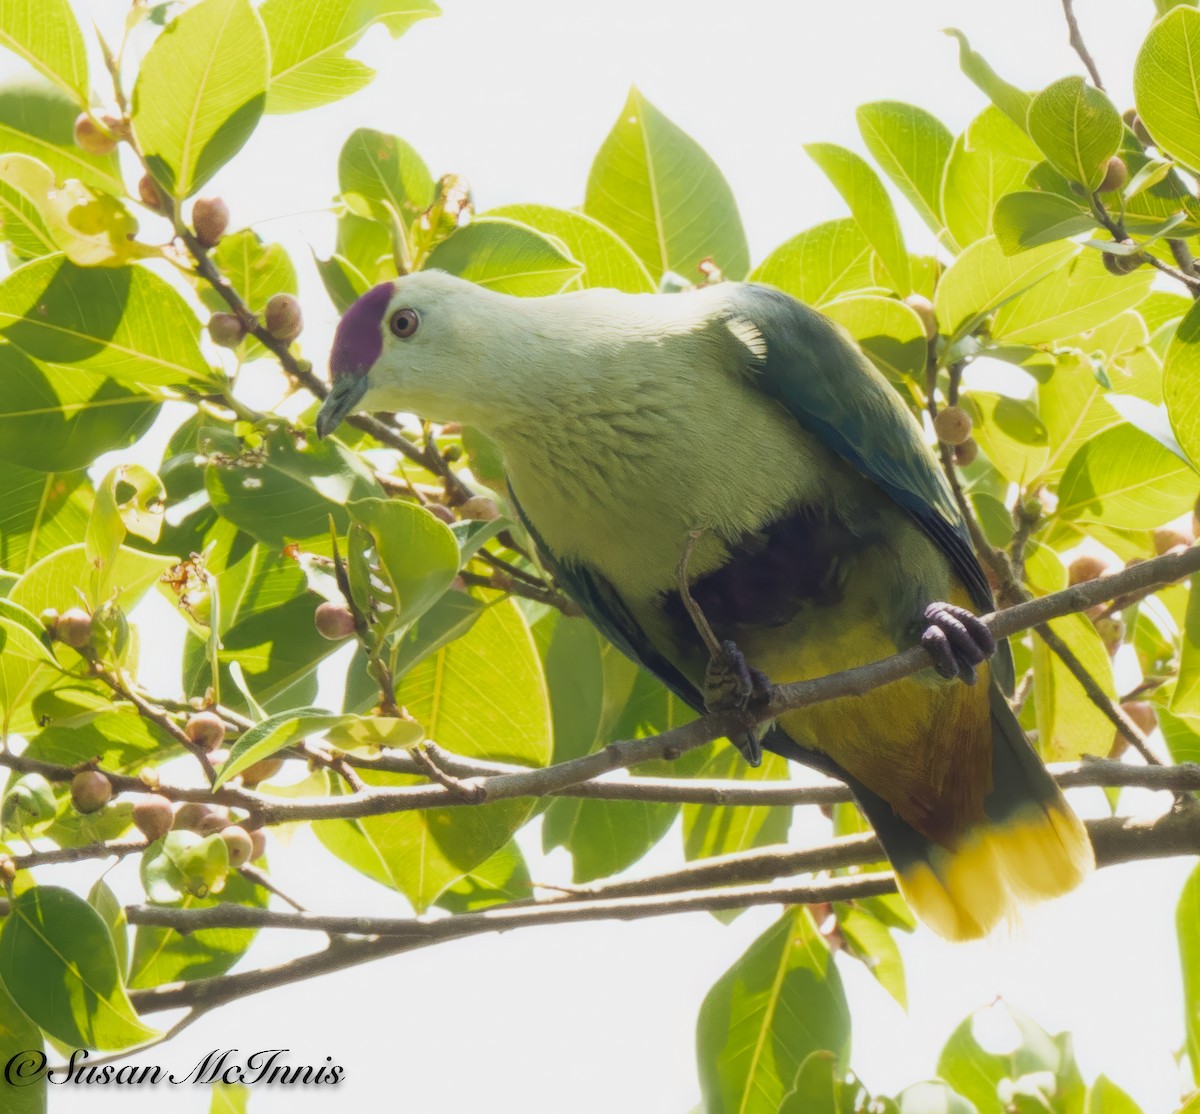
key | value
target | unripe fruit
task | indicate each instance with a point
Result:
(1116, 174)
(216, 821)
(952, 425)
(49, 620)
(74, 628)
(210, 218)
(258, 840)
(91, 137)
(966, 453)
(440, 511)
(206, 730)
(923, 308)
(153, 817)
(1085, 567)
(226, 329)
(1139, 129)
(1166, 539)
(334, 621)
(283, 317)
(1122, 264)
(8, 870)
(480, 507)
(239, 845)
(262, 770)
(150, 195)
(193, 815)
(1112, 633)
(90, 791)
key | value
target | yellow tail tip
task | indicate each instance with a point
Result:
(1040, 852)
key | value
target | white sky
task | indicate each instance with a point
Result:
(518, 96)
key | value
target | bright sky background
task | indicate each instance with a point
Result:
(591, 1018)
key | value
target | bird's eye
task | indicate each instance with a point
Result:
(404, 323)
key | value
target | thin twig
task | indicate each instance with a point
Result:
(1078, 44)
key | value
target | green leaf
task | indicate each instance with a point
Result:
(108, 905)
(1185, 698)
(286, 488)
(273, 734)
(780, 1002)
(123, 322)
(1125, 479)
(912, 146)
(820, 263)
(200, 92)
(888, 331)
(983, 278)
(1013, 102)
(417, 555)
(58, 963)
(1181, 383)
(505, 256)
(482, 695)
(41, 512)
(1187, 925)
(1077, 128)
(932, 1097)
(607, 260)
(162, 955)
(257, 271)
(1010, 432)
(991, 158)
(870, 206)
(24, 185)
(1166, 84)
(309, 40)
(182, 863)
(1027, 218)
(60, 579)
(722, 829)
(26, 665)
(869, 941)
(39, 120)
(20, 1045)
(503, 878)
(1105, 1097)
(1081, 296)
(378, 173)
(1069, 724)
(344, 283)
(47, 36)
(657, 189)
(130, 500)
(121, 741)
(229, 1098)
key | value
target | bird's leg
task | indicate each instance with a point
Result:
(729, 680)
(956, 640)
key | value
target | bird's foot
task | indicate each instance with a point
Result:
(956, 640)
(731, 683)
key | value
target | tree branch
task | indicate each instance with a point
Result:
(1076, 40)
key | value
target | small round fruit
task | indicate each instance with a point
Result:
(49, 619)
(283, 318)
(1111, 630)
(334, 621)
(8, 870)
(480, 507)
(150, 195)
(1120, 265)
(210, 218)
(1140, 130)
(90, 791)
(966, 453)
(451, 453)
(206, 730)
(239, 845)
(215, 821)
(952, 425)
(923, 308)
(1086, 567)
(91, 137)
(192, 815)
(153, 817)
(1167, 538)
(1116, 174)
(74, 628)
(226, 329)
(258, 840)
(440, 511)
(262, 770)
(1142, 713)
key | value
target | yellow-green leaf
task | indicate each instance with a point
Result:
(46, 35)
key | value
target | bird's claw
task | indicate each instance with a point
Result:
(956, 640)
(730, 683)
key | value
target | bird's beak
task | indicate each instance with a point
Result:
(346, 394)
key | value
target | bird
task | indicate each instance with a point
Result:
(735, 496)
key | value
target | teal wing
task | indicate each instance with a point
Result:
(807, 364)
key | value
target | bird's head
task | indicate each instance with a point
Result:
(428, 343)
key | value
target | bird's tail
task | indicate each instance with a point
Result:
(1030, 846)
